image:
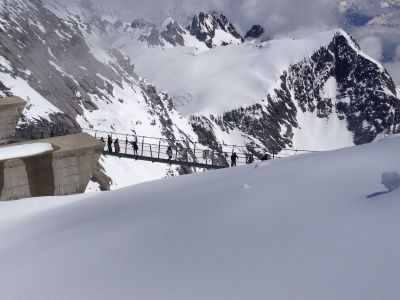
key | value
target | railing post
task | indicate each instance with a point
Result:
(151, 152)
(126, 144)
(142, 146)
(176, 153)
(212, 157)
(159, 149)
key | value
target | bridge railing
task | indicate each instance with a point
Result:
(182, 150)
(159, 151)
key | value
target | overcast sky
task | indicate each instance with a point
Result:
(276, 16)
(279, 18)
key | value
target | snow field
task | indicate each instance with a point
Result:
(294, 228)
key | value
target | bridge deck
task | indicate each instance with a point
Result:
(165, 161)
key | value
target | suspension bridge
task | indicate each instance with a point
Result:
(184, 153)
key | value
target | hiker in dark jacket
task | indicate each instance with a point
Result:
(116, 146)
(135, 147)
(169, 152)
(109, 144)
(234, 158)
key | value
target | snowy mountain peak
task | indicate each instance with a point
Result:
(214, 30)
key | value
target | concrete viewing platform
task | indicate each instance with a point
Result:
(63, 168)
(11, 109)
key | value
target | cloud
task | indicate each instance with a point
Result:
(373, 46)
(397, 55)
(294, 18)
(277, 16)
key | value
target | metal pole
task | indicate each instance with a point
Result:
(159, 149)
(151, 152)
(126, 144)
(142, 146)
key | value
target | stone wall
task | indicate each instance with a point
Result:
(10, 112)
(63, 171)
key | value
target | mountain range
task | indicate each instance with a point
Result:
(204, 81)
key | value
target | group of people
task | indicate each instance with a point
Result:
(117, 150)
(134, 143)
(110, 142)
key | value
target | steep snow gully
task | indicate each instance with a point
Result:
(296, 228)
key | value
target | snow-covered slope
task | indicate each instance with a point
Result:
(307, 227)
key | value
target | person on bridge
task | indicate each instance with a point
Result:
(116, 146)
(109, 144)
(135, 147)
(169, 152)
(250, 160)
(234, 158)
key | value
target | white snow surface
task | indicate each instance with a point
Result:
(313, 226)
(25, 150)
